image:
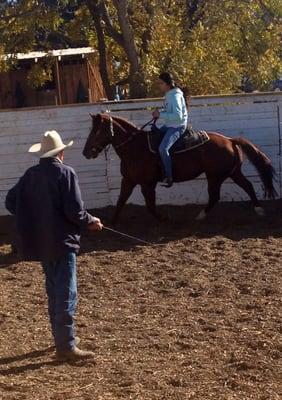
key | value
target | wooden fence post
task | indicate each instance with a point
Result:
(58, 82)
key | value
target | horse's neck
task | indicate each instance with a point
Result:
(129, 140)
(121, 133)
(128, 126)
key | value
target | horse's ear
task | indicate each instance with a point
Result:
(99, 117)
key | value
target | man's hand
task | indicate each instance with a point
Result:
(156, 114)
(96, 225)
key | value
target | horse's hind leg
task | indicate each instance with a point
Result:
(247, 186)
(125, 192)
(214, 186)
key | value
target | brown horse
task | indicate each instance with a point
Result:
(219, 158)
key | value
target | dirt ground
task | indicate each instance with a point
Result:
(196, 316)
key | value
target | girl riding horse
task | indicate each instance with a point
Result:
(175, 116)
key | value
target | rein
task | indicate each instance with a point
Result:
(125, 142)
(152, 121)
(129, 139)
(132, 136)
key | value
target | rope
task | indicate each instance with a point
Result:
(151, 244)
(127, 236)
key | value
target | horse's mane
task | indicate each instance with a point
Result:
(124, 123)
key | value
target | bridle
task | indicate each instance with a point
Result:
(99, 147)
(131, 137)
(112, 132)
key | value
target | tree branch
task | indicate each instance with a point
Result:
(194, 15)
(109, 24)
(148, 32)
(103, 61)
(8, 18)
(269, 14)
(127, 34)
(124, 81)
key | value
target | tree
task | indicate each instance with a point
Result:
(210, 46)
(125, 35)
(219, 45)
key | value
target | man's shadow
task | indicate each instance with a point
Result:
(31, 366)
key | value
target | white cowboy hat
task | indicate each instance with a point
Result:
(51, 145)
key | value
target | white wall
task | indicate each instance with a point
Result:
(254, 116)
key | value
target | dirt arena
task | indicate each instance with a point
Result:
(197, 316)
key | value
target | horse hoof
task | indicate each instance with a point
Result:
(260, 211)
(201, 216)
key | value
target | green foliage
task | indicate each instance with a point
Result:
(231, 40)
(40, 73)
(209, 45)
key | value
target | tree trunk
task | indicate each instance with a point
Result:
(103, 61)
(124, 37)
(136, 75)
(194, 10)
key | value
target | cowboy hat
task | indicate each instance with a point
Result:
(51, 145)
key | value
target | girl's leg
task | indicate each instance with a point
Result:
(171, 136)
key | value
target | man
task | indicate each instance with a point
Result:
(50, 215)
(175, 116)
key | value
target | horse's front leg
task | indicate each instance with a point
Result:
(149, 193)
(126, 189)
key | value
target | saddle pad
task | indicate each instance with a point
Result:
(188, 141)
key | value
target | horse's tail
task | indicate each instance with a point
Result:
(262, 164)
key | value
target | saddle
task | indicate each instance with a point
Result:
(188, 141)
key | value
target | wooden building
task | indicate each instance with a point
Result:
(76, 79)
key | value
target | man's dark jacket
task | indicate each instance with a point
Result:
(49, 211)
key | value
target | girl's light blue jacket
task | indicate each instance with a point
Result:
(175, 111)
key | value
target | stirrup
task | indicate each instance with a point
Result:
(167, 182)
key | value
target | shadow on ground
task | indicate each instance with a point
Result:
(235, 221)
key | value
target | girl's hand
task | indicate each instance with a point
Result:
(156, 114)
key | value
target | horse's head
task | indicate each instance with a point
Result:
(100, 135)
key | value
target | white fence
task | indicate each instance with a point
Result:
(255, 116)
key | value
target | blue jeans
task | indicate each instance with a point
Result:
(171, 135)
(61, 290)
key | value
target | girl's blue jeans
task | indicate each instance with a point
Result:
(171, 135)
